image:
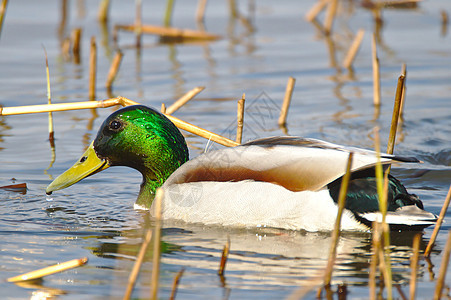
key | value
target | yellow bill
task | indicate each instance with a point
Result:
(87, 165)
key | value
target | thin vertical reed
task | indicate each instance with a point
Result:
(315, 10)
(163, 108)
(224, 256)
(376, 73)
(414, 265)
(240, 118)
(2, 13)
(138, 23)
(49, 97)
(376, 244)
(168, 13)
(92, 69)
(330, 16)
(137, 266)
(286, 101)
(438, 224)
(443, 268)
(156, 245)
(336, 232)
(175, 283)
(395, 116)
(200, 12)
(114, 69)
(76, 38)
(184, 99)
(104, 7)
(352, 52)
(403, 95)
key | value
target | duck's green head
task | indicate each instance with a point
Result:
(135, 136)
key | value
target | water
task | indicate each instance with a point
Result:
(95, 218)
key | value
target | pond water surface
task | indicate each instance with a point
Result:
(95, 218)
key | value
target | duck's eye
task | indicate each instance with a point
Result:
(115, 125)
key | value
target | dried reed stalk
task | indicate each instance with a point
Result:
(184, 99)
(376, 245)
(438, 224)
(49, 101)
(163, 108)
(443, 268)
(114, 69)
(315, 10)
(76, 38)
(172, 32)
(156, 245)
(92, 69)
(2, 13)
(168, 13)
(240, 119)
(376, 73)
(286, 101)
(403, 95)
(352, 52)
(17, 110)
(175, 283)
(336, 232)
(200, 12)
(104, 8)
(138, 23)
(137, 266)
(330, 16)
(395, 116)
(224, 256)
(414, 265)
(50, 270)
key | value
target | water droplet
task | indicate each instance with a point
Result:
(48, 198)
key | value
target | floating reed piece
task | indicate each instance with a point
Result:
(184, 99)
(76, 38)
(137, 266)
(156, 244)
(224, 256)
(395, 116)
(352, 52)
(18, 110)
(104, 8)
(438, 224)
(443, 269)
(50, 270)
(2, 13)
(330, 16)
(170, 32)
(240, 119)
(414, 265)
(336, 230)
(315, 10)
(286, 101)
(114, 68)
(175, 283)
(92, 69)
(376, 73)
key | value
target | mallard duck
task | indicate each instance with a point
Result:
(284, 182)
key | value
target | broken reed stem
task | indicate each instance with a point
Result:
(114, 69)
(336, 231)
(403, 95)
(171, 32)
(240, 119)
(163, 108)
(200, 12)
(104, 8)
(2, 13)
(395, 116)
(443, 268)
(156, 245)
(137, 266)
(315, 10)
(382, 188)
(224, 256)
(286, 101)
(175, 283)
(438, 224)
(168, 13)
(18, 110)
(92, 69)
(184, 99)
(49, 101)
(352, 52)
(414, 265)
(50, 270)
(376, 73)
(330, 16)
(76, 38)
